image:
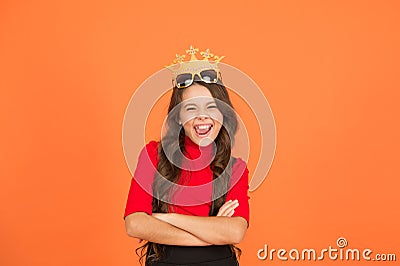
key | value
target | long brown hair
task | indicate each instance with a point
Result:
(221, 165)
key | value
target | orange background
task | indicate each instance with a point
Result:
(330, 72)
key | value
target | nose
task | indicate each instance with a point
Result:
(202, 112)
(203, 116)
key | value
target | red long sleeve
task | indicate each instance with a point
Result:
(239, 187)
(140, 194)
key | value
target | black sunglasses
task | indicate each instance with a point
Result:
(186, 79)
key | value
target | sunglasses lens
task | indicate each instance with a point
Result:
(184, 80)
(209, 75)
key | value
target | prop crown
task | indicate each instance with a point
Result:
(194, 65)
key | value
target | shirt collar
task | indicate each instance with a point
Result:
(193, 151)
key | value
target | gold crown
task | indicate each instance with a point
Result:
(194, 65)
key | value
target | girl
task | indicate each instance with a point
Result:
(191, 226)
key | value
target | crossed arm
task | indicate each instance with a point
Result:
(188, 230)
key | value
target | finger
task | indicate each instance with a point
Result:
(231, 213)
(226, 210)
(228, 205)
(223, 211)
(231, 205)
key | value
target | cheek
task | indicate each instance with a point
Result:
(217, 117)
(186, 117)
(187, 127)
(218, 125)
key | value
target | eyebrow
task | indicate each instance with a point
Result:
(188, 104)
(196, 105)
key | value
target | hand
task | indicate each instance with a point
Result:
(228, 208)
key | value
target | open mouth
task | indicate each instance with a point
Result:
(202, 130)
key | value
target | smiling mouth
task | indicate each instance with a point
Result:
(203, 130)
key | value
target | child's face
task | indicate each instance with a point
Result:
(199, 115)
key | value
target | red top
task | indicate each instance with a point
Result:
(140, 198)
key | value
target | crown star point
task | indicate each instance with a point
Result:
(179, 58)
(192, 64)
(218, 58)
(192, 50)
(206, 54)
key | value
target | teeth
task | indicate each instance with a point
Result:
(203, 126)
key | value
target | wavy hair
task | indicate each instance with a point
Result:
(221, 166)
